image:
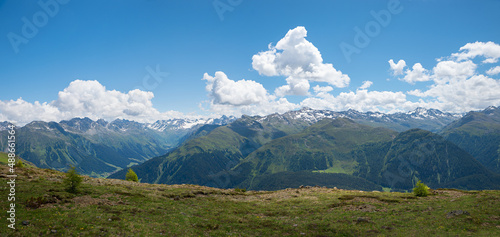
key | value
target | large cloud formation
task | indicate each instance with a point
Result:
(85, 99)
(226, 91)
(300, 61)
(454, 84)
(241, 97)
(457, 85)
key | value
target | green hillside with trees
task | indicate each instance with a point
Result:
(259, 155)
(479, 134)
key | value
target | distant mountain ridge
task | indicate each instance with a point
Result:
(265, 152)
(225, 145)
(3, 125)
(101, 147)
(259, 152)
(98, 148)
(478, 133)
(177, 124)
(84, 124)
(429, 119)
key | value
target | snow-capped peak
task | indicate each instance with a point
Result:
(490, 108)
(176, 124)
(4, 126)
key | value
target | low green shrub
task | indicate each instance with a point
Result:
(19, 164)
(421, 190)
(131, 176)
(72, 180)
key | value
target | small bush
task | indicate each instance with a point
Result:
(19, 164)
(36, 202)
(421, 190)
(241, 190)
(72, 180)
(131, 176)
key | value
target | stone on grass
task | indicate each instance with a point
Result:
(456, 213)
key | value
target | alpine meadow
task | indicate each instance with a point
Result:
(250, 118)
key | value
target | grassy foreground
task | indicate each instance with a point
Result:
(121, 208)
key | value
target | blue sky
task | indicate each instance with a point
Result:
(109, 47)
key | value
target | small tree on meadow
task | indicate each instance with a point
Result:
(131, 176)
(72, 180)
(421, 190)
(19, 164)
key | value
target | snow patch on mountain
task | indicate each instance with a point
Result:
(4, 126)
(176, 124)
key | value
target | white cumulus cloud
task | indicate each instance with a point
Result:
(322, 89)
(489, 50)
(295, 86)
(417, 74)
(236, 98)
(366, 85)
(397, 68)
(476, 92)
(226, 91)
(493, 71)
(300, 61)
(445, 71)
(458, 86)
(93, 100)
(86, 99)
(21, 112)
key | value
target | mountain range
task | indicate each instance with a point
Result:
(348, 149)
(307, 147)
(98, 148)
(479, 134)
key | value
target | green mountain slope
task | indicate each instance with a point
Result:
(324, 146)
(421, 155)
(94, 152)
(256, 154)
(428, 119)
(479, 134)
(375, 155)
(99, 148)
(207, 159)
